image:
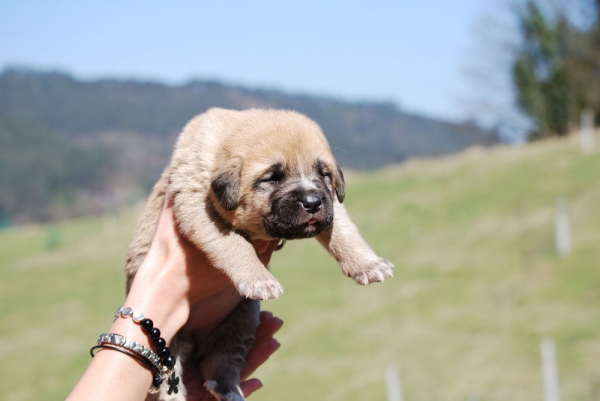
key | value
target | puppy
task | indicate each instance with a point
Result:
(237, 176)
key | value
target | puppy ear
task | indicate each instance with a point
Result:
(340, 185)
(226, 185)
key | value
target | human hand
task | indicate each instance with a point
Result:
(174, 277)
(206, 295)
(180, 277)
(264, 346)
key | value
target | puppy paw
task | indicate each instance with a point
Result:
(372, 272)
(262, 289)
(223, 394)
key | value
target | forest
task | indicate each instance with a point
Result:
(70, 147)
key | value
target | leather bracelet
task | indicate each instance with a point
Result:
(156, 376)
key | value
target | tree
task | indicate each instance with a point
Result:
(539, 74)
(556, 72)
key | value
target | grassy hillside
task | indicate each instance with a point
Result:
(477, 285)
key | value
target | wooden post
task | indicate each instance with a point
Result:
(586, 131)
(549, 370)
(52, 237)
(393, 384)
(562, 228)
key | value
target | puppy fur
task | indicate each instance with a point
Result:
(236, 176)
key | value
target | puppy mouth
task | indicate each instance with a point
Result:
(299, 214)
(312, 226)
(308, 228)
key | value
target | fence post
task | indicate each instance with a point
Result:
(393, 384)
(549, 370)
(563, 228)
(586, 131)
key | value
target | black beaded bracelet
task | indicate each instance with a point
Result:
(161, 363)
(153, 334)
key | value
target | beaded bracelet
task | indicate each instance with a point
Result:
(161, 363)
(167, 361)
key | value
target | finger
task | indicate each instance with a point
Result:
(166, 234)
(258, 355)
(265, 257)
(250, 386)
(272, 245)
(164, 216)
(267, 329)
(261, 245)
(167, 226)
(168, 202)
(264, 315)
(265, 249)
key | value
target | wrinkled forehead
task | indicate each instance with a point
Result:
(296, 145)
(298, 164)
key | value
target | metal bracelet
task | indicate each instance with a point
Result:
(121, 341)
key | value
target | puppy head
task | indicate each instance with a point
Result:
(276, 177)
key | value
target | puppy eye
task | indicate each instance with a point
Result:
(322, 169)
(324, 174)
(275, 177)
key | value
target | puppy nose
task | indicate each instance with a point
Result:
(311, 203)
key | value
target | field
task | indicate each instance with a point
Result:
(477, 285)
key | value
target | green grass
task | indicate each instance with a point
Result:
(477, 285)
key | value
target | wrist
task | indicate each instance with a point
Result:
(153, 295)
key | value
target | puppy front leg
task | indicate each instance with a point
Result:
(226, 249)
(355, 256)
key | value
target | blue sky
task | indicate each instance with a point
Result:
(410, 52)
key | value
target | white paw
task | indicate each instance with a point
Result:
(375, 271)
(264, 289)
(231, 395)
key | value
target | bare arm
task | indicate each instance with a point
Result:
(165, 288)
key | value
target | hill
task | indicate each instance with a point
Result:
(477, 285)
(118, 135)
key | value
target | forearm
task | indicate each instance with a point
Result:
(113, 376)
(116, 376)
(174, 276)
